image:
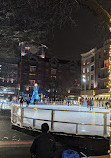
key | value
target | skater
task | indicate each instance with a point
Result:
(91, 104)
(34, 101)
(88, 103)
(27, 102)
(44, 145)
(21, 101)
(106, 105)
(68, 102)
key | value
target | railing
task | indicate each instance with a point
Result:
(21, 116)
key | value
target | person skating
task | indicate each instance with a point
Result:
(91, 104)
(44, 145)
(88, 103)
(21, 101)
(106, 105)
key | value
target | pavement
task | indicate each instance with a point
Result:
(15, 143)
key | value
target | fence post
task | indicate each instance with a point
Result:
(52, 119)
(33, 123)
(105, 125)
(22, 116)
(12, 113)
(77, 128)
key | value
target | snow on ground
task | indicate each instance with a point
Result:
(78, 116)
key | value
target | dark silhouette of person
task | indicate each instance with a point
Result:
(27, 102)
(21, 101)
(44, 145)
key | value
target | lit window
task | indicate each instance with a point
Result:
(87, 69)
(83, 70)
(11, 80)
(32, 74)
(106, 63)
(32, 82)
(53, 71)
(88, 78)
(32, 68)
(7, 80)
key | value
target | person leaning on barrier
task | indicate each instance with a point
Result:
(44, 145)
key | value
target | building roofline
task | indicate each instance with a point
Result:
(89, 52)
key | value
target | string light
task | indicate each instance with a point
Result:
(109, 86)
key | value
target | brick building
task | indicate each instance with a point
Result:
(56, 78)
(94, 73)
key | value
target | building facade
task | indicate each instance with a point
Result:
(56, 78)
(8, 78)
(94, 73)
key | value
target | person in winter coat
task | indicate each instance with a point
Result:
(91, 104)
(44, 145)
(88, 103)
(21, 101)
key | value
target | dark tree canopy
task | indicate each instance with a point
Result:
(37, 20)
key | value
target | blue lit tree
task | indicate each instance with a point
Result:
(35, 94)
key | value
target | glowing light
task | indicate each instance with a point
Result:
(84, 80)
(27, 48)
(109, 86)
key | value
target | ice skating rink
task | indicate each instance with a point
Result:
(86, 122)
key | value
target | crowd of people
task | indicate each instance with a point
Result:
(90, 104)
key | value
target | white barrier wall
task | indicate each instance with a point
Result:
(72, 120)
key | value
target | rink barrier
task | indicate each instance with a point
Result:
(14, 117)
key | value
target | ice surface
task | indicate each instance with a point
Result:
(76, 114)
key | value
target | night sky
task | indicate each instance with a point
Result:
(89, 32)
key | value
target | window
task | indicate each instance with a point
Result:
(32, 75)
(32, 82)
(11, 80)
(88, 69)
(53, 65)
(105, 84)
(92, 77)
(88, 78)
(92, 67)
(83, 70)
(106, 63)
(53, 71)
(32, 68)
(92, 86)
(92, 59)
(53, 77)
(102, 64)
